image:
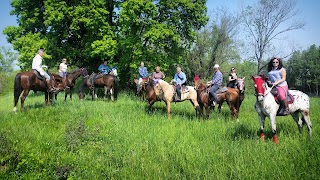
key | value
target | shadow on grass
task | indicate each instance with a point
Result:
(242, 131)
(162, 110)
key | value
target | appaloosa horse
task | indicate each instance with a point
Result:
(163, 91)
(266, 106)
(70, 80)
(26, 81)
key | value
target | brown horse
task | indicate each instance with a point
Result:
(26, 81)
(70, 80)
(163, 91)
(230, 95)
(107, 81)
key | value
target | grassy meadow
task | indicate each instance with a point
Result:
(123, 140)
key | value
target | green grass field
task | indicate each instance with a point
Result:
(123, 140)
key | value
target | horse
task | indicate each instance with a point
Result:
(141, 91)
(241, 86)
(163, 91)
(107, 81)
(230, 95)
(70, 80)
(26, 81)
(267, 106)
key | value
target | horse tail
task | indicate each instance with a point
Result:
(17, 88)
(115, 87)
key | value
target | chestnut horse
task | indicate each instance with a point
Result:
(70, 80)
(107, 81)
(163, 91)
(241, 87)
(26, 81)
(230, 95)
(266, 106)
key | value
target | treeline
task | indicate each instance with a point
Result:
(303, 70)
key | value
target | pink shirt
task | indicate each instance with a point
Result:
(158, 75)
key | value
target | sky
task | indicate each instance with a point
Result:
(302, 38)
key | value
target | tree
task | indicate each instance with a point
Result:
(124, 32)
(7, 57)
(266, 20)
(214, 44)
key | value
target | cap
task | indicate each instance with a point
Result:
(216, 66)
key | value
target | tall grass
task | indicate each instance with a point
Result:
(124, 140)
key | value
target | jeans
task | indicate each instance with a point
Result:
(213, 90)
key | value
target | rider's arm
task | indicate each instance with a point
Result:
(101, 68)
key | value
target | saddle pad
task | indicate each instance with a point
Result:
(221, 90)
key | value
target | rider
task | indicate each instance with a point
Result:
(232, 78)
(37, 65)
(63, 72)
(181, 81)
(104, 68)
(215, 82)
(143, 73)
(277, 74)
(158, 74)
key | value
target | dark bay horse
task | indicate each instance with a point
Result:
(230, 95)
(70, 80)
(107, 81)
(26, 81)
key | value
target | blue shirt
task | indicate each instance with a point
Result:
(217, 78)
(143, 72)
(103, 69)
(180, 78)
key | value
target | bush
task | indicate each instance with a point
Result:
(6, 82)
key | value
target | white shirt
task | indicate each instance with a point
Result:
(37, 63)
(63, 67)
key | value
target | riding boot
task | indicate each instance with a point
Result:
(178, 95)
(49, 85)
(285, 106)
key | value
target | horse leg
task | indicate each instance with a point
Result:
(23, 98)
(261, 118)
(219, 107)
(274, 127)
(206, 106)
(16, 99)
(112, 94)
(306, 119)
(168, 109)
(46, 97)
(298, 120)
(70, 91)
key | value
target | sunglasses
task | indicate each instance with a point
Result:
(232, 69)
(275, 62)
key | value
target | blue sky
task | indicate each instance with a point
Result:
(309, 11)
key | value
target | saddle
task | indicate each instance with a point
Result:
(38, 75)
(275, 94)
(221, 90)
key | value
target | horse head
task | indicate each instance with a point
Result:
(198, 85)
(84, 72)
(114, 71)
(260, 86)
(240, 84)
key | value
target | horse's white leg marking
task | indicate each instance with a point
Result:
(112, 95)
(15, 109)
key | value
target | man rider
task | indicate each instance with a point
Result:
(37, 65)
